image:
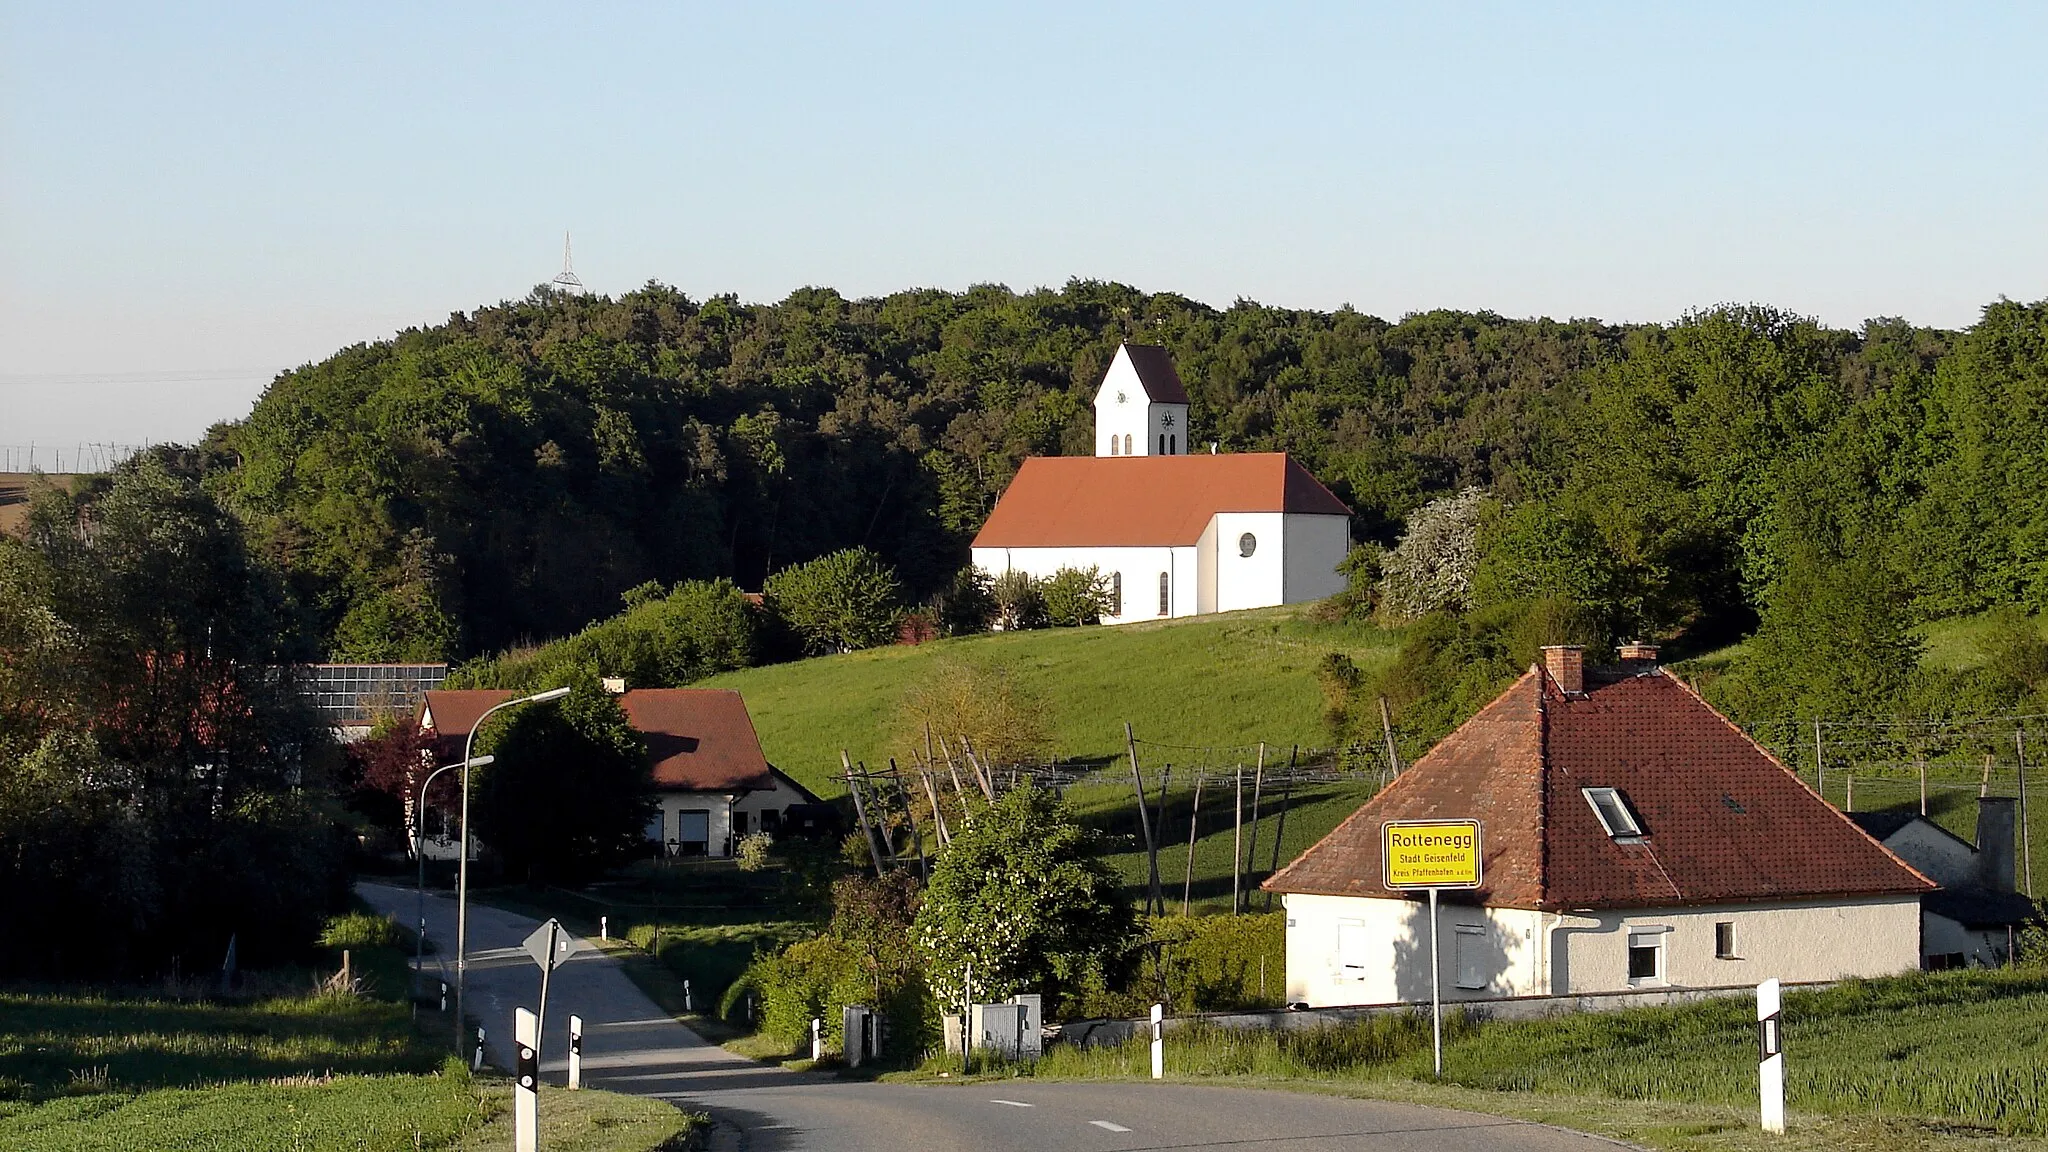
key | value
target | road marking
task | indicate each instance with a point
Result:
(1011, 1103)
(1108, 1125)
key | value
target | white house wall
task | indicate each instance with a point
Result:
(1314, 547)
(1140, 568)
(1979, 948)
(1344, 950)
(723, 809)
(1941, 857)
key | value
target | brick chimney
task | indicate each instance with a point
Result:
(1566, 664)
(1637, 652)
(1995, 841)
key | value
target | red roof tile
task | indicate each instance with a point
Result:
(1144, 501)
(699, 739)
(1723, 820)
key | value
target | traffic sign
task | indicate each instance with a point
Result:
(1431, 854)
(548, 945)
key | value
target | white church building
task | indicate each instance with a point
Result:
(1176, 534)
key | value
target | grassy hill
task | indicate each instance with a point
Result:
(1223, 681)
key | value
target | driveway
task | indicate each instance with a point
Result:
(629, 1045)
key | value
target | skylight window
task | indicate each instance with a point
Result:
(1613, 813)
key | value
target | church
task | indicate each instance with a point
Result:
(1177, 534)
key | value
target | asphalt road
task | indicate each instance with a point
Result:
(629, 1045)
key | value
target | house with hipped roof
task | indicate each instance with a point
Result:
(1975, 920)
(1173, 533)
(1634, 839)
(712, 782)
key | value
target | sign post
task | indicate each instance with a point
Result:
(1431, 855)
(1770, 1057)
(546, 945)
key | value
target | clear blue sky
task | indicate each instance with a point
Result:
(194, 196)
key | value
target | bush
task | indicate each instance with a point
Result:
(1020, 601)
(661, 640)
(1076, 596)
(1214, 963)
(1005, 721)
(755, 852)
(967, 605)
(837, 603)
(363, 930)
(1431, 569)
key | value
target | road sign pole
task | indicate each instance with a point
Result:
(1436, 995)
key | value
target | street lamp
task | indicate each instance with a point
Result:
(462, 867)
(419, 855)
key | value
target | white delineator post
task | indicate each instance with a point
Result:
(817, 1038)
(575, 1052)
(1158, 1041)
(1770, 1056)
(604, 927)
(526, 1082)
(477, 1064)
(688, 1004)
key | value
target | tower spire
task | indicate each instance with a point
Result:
(567, 281)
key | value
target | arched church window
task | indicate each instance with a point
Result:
(1116, 593)
(1162, 443)
(1173, 444)
(1112, 445)
(1165, 602)
(1127, 444)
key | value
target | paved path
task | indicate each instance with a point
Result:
(629, 1045)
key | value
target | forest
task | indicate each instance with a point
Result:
(506, 477)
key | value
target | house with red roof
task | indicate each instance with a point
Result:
(1634, 839)
(712, 782)
(1175, 534)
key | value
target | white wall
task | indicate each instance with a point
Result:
(719, 805)
(1140, 568)
(1255, 581)
(1942, 858)
(1316, 545)
(1517, 952)
(1942, 936)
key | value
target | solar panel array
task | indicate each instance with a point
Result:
(357, 694)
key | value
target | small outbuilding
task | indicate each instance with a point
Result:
(1975, 919)
(1634, 840)
(712, 782)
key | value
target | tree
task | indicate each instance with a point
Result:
(1431, 569)
(1020, 601)
(1023, 898)
(837, 603)
(1005, 721)
(967, 605)
(570, 790)
(1076, 596)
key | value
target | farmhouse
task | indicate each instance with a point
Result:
(711, 780)
(1974, 921)
(1175, 534)
(1634, 840)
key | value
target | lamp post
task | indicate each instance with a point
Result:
(419, 855)
(462, 855)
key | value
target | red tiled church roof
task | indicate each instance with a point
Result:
(1723, 820)
(1144, 501)
(699, 739)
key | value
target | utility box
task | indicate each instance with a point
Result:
(1030, 1025)
(997, 1027)
(860, 1034)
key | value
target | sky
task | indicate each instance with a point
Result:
(195, 197)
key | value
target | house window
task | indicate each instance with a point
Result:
(1614, 813)
(1471, 955)
(1165, 603)
(693, 832)
(1724, 940)
(1116, 593)
(1127, 444)
(1352, 945)
(1945, 961)
(657, 826)
(1645, 957)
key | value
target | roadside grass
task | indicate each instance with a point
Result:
(1228, 680)
(1906, 1061)
(85, 1070)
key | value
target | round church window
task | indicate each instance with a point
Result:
(1247, 544)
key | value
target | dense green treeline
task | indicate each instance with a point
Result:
(506, 476)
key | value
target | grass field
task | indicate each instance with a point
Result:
(1225, 681)
(1914, 1060)
(84, 1071)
